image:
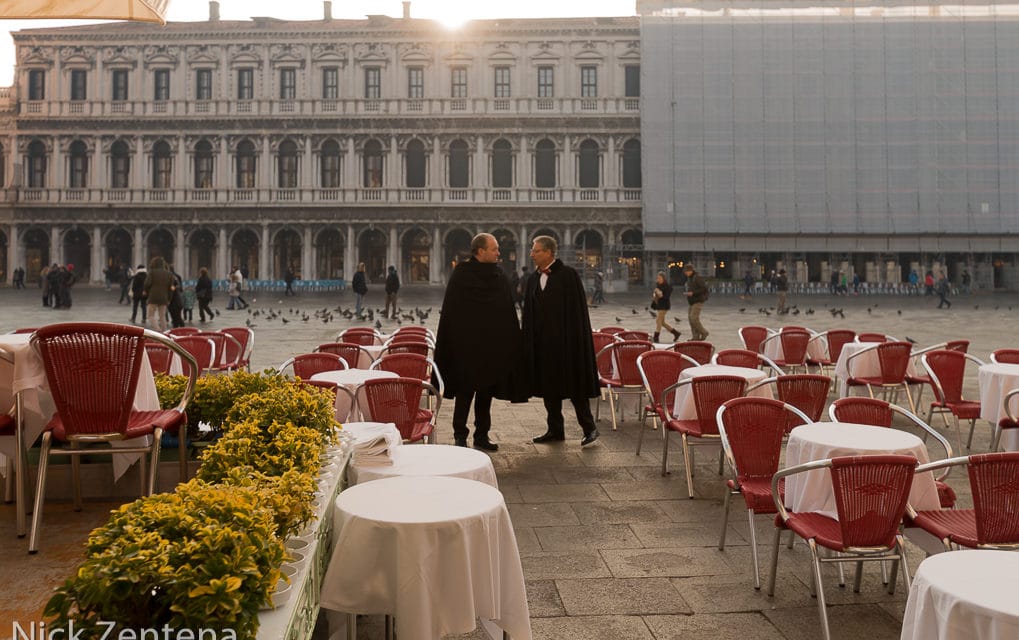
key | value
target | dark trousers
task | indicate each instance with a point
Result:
(137, 302)
(203, 309)
(482, 414)
(555, 422)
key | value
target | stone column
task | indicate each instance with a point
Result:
(140, 170)
(523, 164)
(14, 250)
(264, 268)
(223, 166)
(265, 169)
(611, 166)
(524, 243)
(100, 164)
(393, 253)
(56, 246)
(307, 260)
(435, 262)
(137, 254)
(350, 255)
(480, 177)
(392, 178)
(306, 168)
(57, 169)
(566, 178)
(435, 164)
(351, 178)
(222, 255)
(178, 251)
(98, 263)
(180, 171)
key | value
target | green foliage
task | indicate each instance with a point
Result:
(293, 402)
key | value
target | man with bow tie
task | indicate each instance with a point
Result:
(557, 342)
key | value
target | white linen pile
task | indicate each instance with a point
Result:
(373, 443)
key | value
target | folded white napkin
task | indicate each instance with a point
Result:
(373, 443)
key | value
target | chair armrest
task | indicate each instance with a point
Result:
(784, 473)
(184, 354)
(665, 394)
(1007, 400)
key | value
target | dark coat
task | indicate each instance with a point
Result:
(359, 284)
(203, 288)
(557, 336)
(477, 345)
(392, 282)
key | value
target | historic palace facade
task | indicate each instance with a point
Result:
(316, 145)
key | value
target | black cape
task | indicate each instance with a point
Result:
(477, 345)
(557, 336)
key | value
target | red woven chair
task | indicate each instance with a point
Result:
(24, 330)
(625, 377)
(92, 371)
(398, 400)
(879, 413)
(1005, 356)
(993, 522)
(612, 330)
(306, 365)
(202, 351)
(411, 365)
(746, 359)
(709, 392)
(834, 340)
(603, 359)
(807, 392)
(245, 338)
(794, 348)
(658, 369)
(1009, 421)
(407, 346)
(874, 337)
(947, 370)
(922, 379)
(753, 337)
(870, 499)
(699, 350)
(643, 336)
(363, 336)
(752, 430)
(178, 332)
(228, 349)
(414, 331)
(893, 358)
(160, 357)
(357, 356)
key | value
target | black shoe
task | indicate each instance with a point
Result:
(486, 445)
(589, 437)
(460, 442)
(548, 436)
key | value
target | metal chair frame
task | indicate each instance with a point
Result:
(947, 399)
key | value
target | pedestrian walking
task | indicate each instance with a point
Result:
(661, 299)
(392, 288)
(360, 287)
(696, 295)
(203, 293)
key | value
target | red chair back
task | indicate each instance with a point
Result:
(245, 337)
(405, 365)
(794, 346)
(634, 335)
(709, 393)
(182, 331)
(24, 330)
(754, 429)
(396, 400)
(612, 330)
(349, 351)
(363, 337)
(1005, 356)
(660, 369)
(202, 349)
(838, 338)
(697, 349)
(738, 358)
(219, 339)
(602, 339)
(419, 348)
(160, 357)
(308, 364)
(862, 410)
(958, 345)
(807, 392)
(871, 337)
(894, 359)
(321, 384)
(870, 497)
(753, 337)
(92, 371)
(992, 478)
(947, 370)
(624, 359)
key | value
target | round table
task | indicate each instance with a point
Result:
(964, 595)
(435, 552)
(683, 408)
(350, 379)
(811, 491)
(995, 381)
(429, 460)
(862, 366)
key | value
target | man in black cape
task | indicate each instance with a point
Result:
(557, 342)
(477, 347)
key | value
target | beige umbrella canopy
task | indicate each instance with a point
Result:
(141, 10)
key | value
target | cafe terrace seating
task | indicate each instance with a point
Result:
(625, 377)
(834, 340)
(658, 369)
(807, 392)
(305, 365)
(699, 350)
(398, 400)
(947, 370)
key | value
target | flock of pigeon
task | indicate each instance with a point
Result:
(327, 315)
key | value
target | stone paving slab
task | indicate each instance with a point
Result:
(621, 596)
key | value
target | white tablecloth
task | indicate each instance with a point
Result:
(811, 491)
(964, 595)
(430, 460)
(863, 366)
(350, 379)
(435, 552)
(684, 409)
(29, 378)
(996, 380)
(815, 348)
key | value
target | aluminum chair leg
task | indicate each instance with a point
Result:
(753, 550)
(157, 435)
(688, 463)
(858, 578)
(665, 451)
(774, 561)
(40, 491)
(612, 407)
(640, 438)
(9, 482)
(972, 426)
(76, 477)
(821, 606)
(389, 627)
(725, 518)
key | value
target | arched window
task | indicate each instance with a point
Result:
(502, 164)
(631, 164)
(162, 165)
(120, 165)
(415, 158)
(459, 165)
(286, 175)
(330, 164)
(203, 165)
(246, 165)
(588, 164)
(77, 177)
(544, 165)
(373, 164)
(36, 165)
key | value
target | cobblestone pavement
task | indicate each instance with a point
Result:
(610, 548)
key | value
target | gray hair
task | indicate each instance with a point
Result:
(548, 243)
